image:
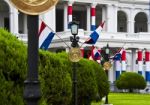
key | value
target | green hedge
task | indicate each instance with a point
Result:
(56, 82)
(130, 81)
(91, 79)
(55, 75)
(12, 69)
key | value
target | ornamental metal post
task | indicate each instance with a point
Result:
(32, 92)
(74, 40)
(106, 71)
(33, 8)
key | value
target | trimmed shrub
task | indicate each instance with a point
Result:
(130, 81)
(91, 79)
(55, 74)
(101, 79)
(12, 69)
(87, 85)
(56, 82)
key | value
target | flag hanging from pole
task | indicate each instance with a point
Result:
(95, 54)
(45, 36)
(118, 55)
(95, 35)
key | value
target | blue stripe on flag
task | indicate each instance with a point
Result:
(140, 72)
(96, 54)
(117, 57)
(94, 36)
(93, 27)
(47, 41)
(147, 75)
(117, 74)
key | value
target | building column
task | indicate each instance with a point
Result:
(69, 13)
(14, 20)
(88, 17)
(148, 26)
(118, 68)
(112, 73)
(140, 62)
(147, 64)
(123, 62)
(130, 22)
(115, 18)
(130, 26)
(133, 60)
(65, 17)
(93, 13)
(111, 21)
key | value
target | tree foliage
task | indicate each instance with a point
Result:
(12, 69)
(130, 81)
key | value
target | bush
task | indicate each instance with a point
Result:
(91, 79)
(87, 86)
(12, 69)
(130, 81)
(101, 79)
(56, 82)
(55, 74)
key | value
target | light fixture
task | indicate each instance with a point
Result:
(74, 28)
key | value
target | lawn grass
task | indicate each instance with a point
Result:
(127, 99)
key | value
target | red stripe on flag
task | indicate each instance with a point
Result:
(139, 55)
(92, 11)
(69, 10)
(43, 25)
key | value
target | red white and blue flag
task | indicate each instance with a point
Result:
(95, 54)
(45, 36)
(118, 55)
(95, 35)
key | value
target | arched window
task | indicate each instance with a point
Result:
(140, 22)
(122, 22)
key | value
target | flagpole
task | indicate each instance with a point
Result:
(55, 33)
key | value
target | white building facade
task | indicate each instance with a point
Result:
(127, 25)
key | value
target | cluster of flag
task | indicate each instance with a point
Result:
(95, 53)
(46, 35)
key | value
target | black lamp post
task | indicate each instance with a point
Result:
(107, 50)
(32, 89)
(74, 39)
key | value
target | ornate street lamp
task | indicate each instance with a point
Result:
(74, 31)
(106, 65)
(74, 55)
(106, 70)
